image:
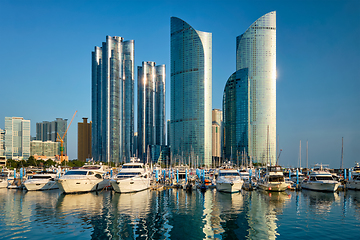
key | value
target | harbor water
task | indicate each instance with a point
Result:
(176, 214)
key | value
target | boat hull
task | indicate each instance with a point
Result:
(353, 184)
(321, 186)
(81, 185)
(130, 185)
(274, 187)
(229, 187)
(4, 184)
(40, 185)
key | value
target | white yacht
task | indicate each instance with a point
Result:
(41, 181)
(354, 182)
(85, 179)
(4, 176)
(274, 180)
(244, 174)
(301, 177)
(320, 180)
(133, 177)
(229, 180)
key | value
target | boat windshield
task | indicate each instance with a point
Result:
(228, 174)
(41, 177)
(127, 175)
(276, 178)
(319, 178)
(132, 166)
(76, 173)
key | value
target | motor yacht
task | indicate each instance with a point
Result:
(320, 179)
(85, 179)
(299, 178)
(274, 180)
(41, 181)
(4, 179)
(354, 182)
(229, 180)
(244, 174)
(133, 177)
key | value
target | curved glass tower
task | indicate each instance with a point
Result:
(236, 115)
(191, 94)
(256, 51)
(113, 100)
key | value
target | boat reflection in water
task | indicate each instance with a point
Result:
(225, 210)
(262, 214)
(320, 202)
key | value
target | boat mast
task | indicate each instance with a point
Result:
(307, 155)
(300, 155)
(342, 153)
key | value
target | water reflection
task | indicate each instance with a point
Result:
(176, 214)
(353, 197)
(262, 213)
(320, 202)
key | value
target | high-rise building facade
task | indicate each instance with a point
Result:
(113, 100)
(48, 131)
(17, 138)
(2, 142)
(47, 148)
(191, 94)
(216, 136)
(151, 108)
(84, 140)
(236, 115)
(256, 66)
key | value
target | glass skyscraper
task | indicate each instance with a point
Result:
(47, 131)
(151, 108)
(254, 84)
(113, 100)
(17, 138)
(236, 115)
(191, 94)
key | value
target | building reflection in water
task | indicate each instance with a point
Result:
(262, 213)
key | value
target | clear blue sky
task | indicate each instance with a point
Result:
(45, 64)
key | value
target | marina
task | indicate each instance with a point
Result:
(174, 213)
(168, 203)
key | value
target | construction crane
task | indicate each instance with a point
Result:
(61, 140)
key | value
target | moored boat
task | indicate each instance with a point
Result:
(85, 179)
(320, 179)
(229, 180)
(354, 182)
(133, 177)
(41, 181)
(274, 180)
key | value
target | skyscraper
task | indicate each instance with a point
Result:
(216, 135)
(17, 138)
(151, 107)
(48, 131)
(113, 100)
(191, 93)
(249, 100)
(2, 142)
(84, 140)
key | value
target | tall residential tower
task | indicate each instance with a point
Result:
(249, 100)
(151, 108)
(17, 138)
(191, 94)
(113, 100)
